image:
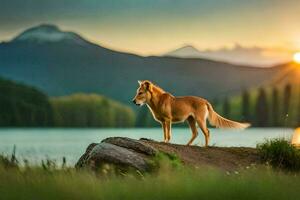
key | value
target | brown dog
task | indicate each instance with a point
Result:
(167, 109)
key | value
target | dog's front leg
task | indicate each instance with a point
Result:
(169, 132)
(165, 130)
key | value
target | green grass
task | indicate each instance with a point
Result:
(280, 153)
(171, 180)
(185, 183)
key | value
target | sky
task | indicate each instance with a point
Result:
(152, 27)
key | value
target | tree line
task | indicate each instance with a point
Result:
(265, 107)
(25, 106)
(22, 105)
(82, 110)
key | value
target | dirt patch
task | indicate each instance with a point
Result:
(225, 158)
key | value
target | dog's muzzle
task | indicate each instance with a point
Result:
(133, 101)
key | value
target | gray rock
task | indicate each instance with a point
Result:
(83, 159)
(132, 144)
(105, 153)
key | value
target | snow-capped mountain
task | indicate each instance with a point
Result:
(47, 33)
(187, 51)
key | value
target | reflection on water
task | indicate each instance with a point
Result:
(38, 144)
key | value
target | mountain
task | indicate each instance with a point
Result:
(62, 63)
(187, 51)
(255, 56)
(48, 33)
(289, 75)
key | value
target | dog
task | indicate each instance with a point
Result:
(167, 109)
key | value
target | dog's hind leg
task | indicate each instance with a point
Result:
(204, 129)
(192, 123)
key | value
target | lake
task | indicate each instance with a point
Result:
(37, 144)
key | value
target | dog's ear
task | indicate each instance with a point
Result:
(140, 82)
(148, 86)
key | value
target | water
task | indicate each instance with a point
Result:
(38, 144)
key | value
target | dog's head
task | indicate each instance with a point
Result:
(143, 93)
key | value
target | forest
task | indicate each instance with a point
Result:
(22, 105)
(277, 106)
(90, 110)
(25, 106)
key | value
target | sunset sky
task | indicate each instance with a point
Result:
(155, 26)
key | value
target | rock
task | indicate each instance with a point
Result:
(83, 159)
(138, 154)
(105, 153)
(147, 139)
(132, 144)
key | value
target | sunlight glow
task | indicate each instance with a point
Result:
(297, 57)
(296, 137)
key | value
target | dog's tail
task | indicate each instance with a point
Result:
(220, 122)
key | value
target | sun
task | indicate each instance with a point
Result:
(296, 137)
(297, 57)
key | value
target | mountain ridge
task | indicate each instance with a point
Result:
(64, 67)
(237, 55)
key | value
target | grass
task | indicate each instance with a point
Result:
(280, 153)
(35, 183)
(11, 162)
(171, 180)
